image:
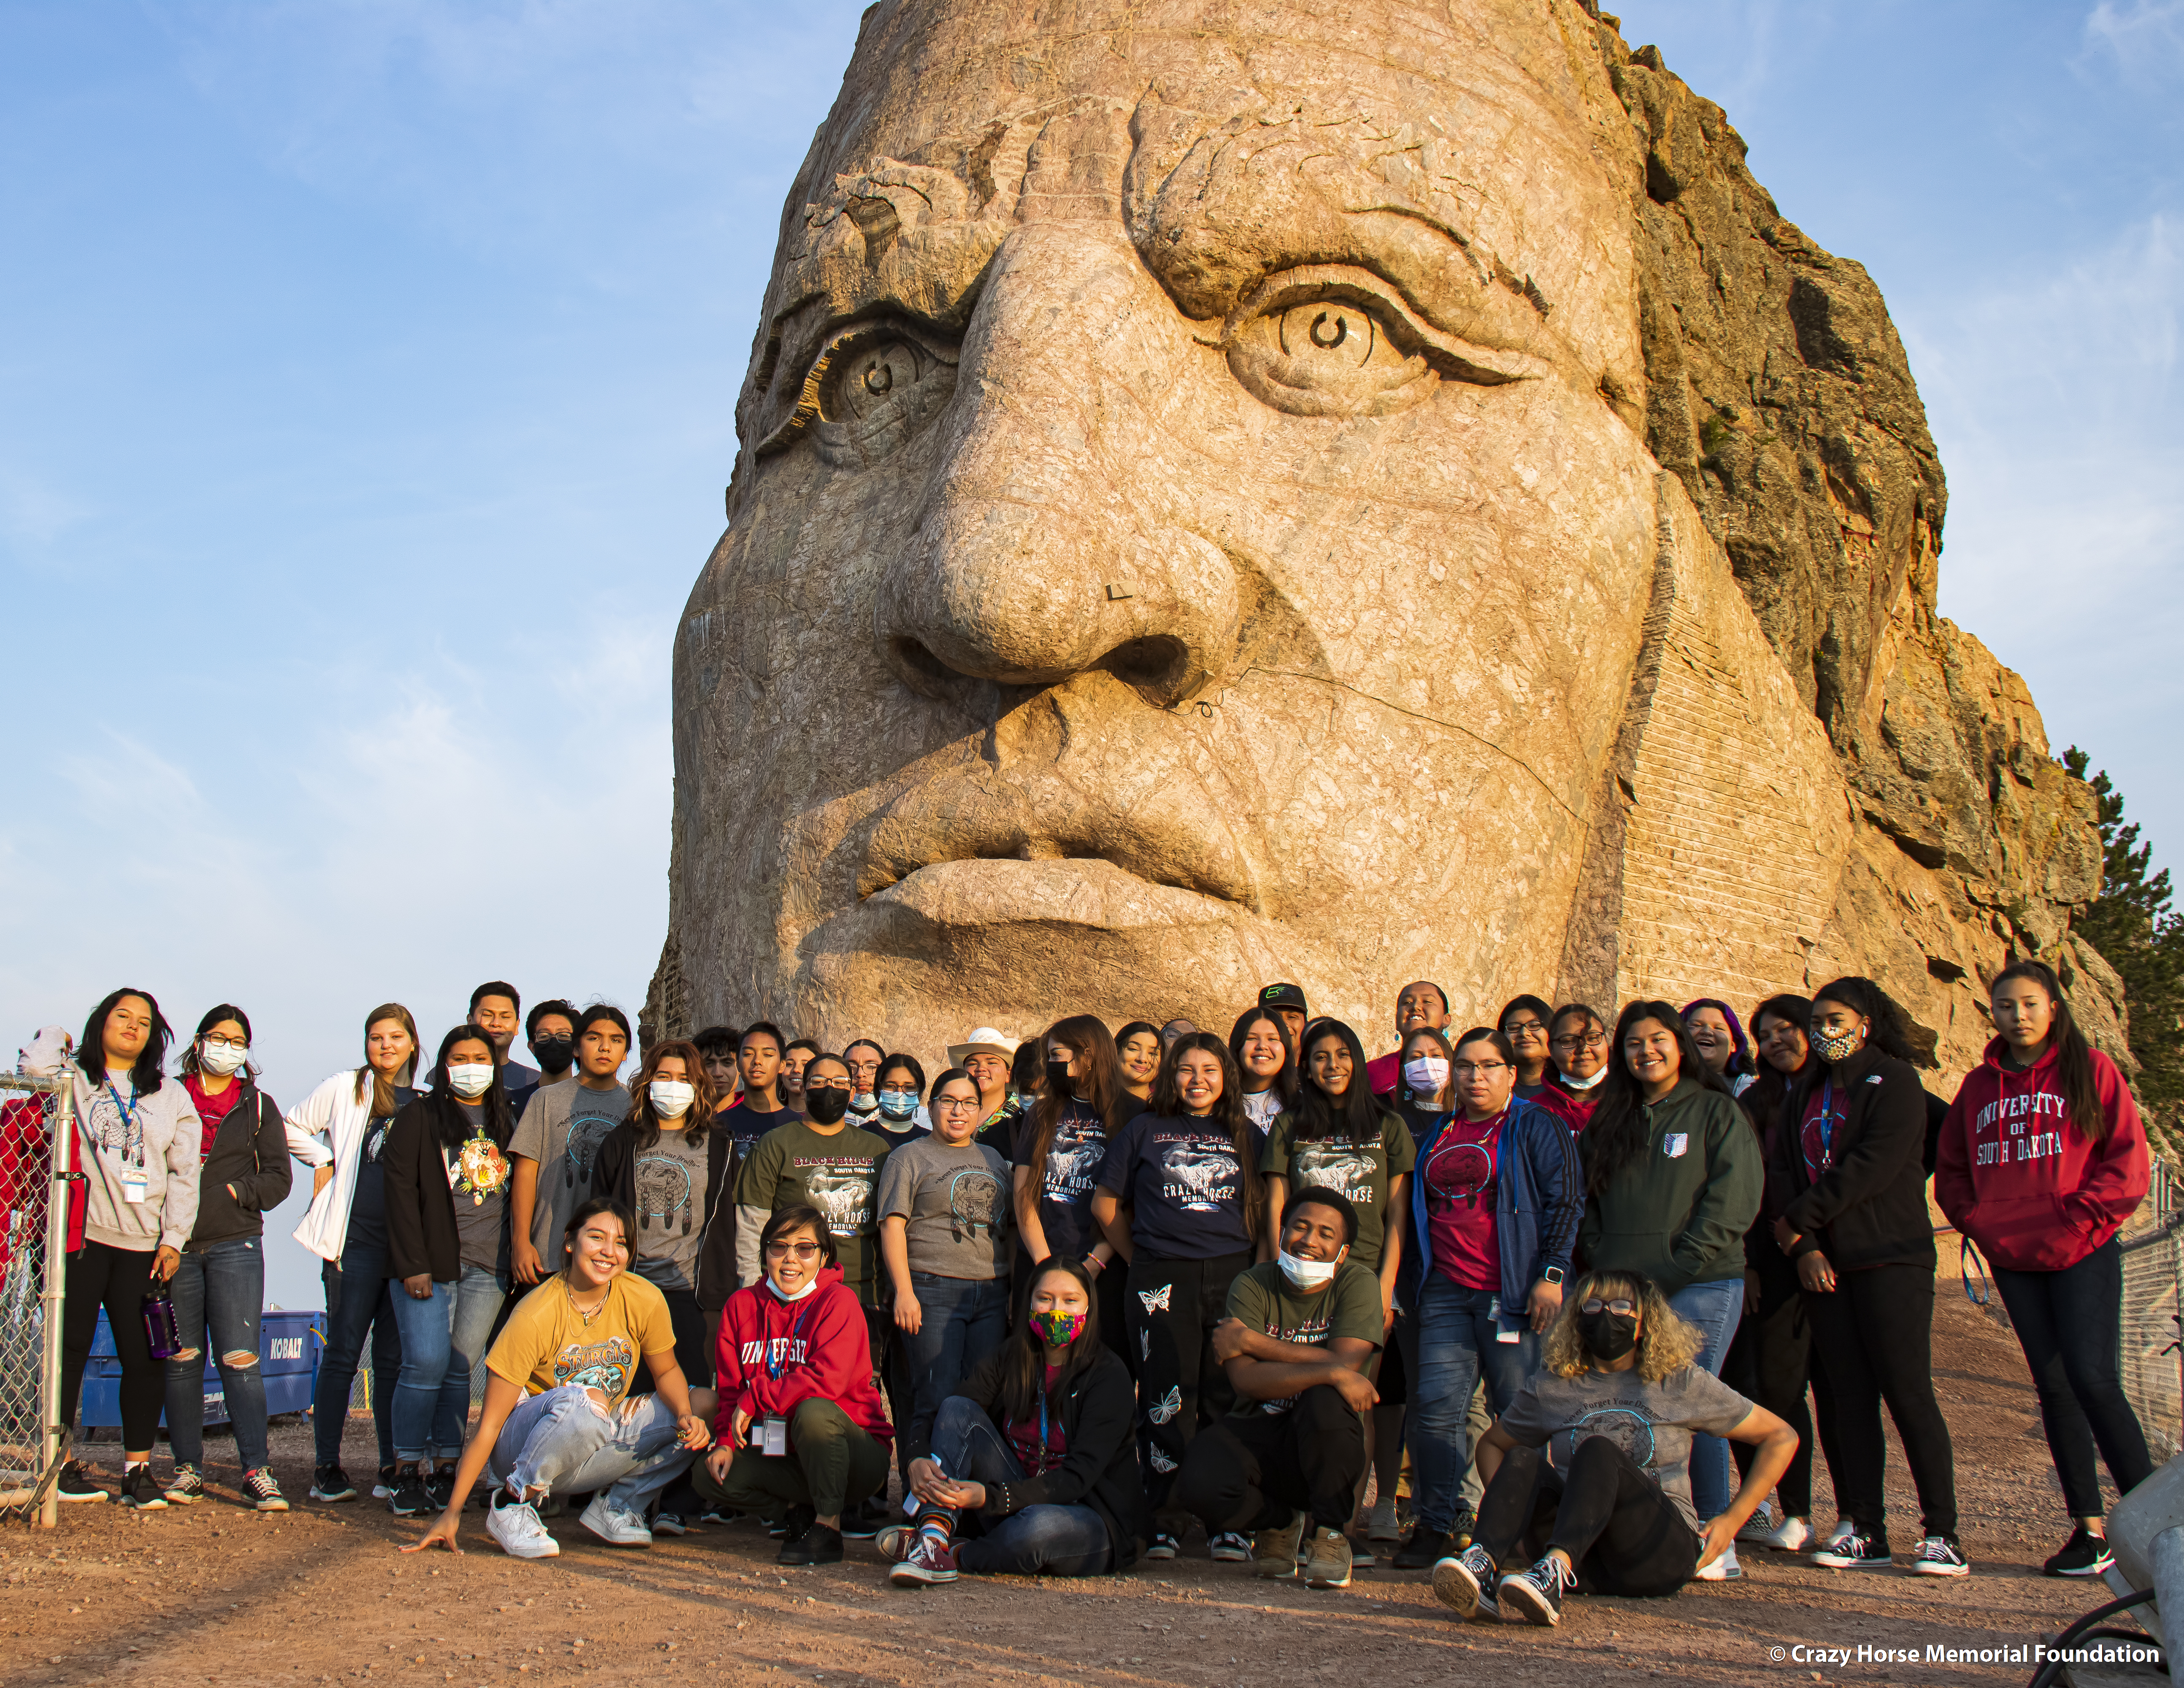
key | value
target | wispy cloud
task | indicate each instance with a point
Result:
(2142, 43)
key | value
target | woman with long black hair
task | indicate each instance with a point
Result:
(1032, 1468)
(1184, 1170)
(1849, 1181)
(1524, 1021)
(1138, 1048)
(1673, 1179)
(446, 1236)
(2042, 1157)
(137, 1146)
(220, 1286)
(1260, 1048)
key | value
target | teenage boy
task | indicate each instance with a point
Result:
(716, 1048)
(796, 1054)
(1299, 1331)
(1286, 1003)
(497, 1010)
(550, 1030)
(1419, 1003)
(758, 1063)
(556, 1140)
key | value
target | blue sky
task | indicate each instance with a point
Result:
(366, 370)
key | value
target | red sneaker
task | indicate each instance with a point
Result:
(931, 1559)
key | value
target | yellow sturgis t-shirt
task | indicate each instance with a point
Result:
(547, 1343)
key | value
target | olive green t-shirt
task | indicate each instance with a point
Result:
(793, 1164)
(1264, 1299)
(1359, 1172)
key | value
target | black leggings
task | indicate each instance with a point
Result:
(1875, 1332)
(117, 1279)
(1769, 1363)
(693, 1349)
(1172, 1308)
(1248, 1473)
(1623, 1534)
(2070, 1326)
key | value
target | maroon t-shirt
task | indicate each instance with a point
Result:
(1038, 1458)
(1459, 1175)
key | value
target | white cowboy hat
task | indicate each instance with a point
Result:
(983, 1041)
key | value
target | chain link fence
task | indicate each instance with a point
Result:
(2152, 1361)
(34, 1116)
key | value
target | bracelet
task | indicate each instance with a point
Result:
(1095, 1262)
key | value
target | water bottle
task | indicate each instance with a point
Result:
(162, 1329)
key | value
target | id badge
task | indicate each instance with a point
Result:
(773, 1437)
(135, 1182)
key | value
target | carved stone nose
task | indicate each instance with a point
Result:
(1054, 538)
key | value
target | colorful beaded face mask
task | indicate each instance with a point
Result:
(1056, 1327)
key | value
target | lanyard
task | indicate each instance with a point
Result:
(775, 1362)
(1042, 1427)
(1827, 1120)
(132, 1133)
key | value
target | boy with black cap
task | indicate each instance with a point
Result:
(1286, 1003)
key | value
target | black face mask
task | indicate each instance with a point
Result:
(554, 1055)
(1057, 1079)
(1608, 1336)
(825, 1105)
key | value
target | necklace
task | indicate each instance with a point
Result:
(585, 1315)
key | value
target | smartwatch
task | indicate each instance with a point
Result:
(1550, 1274)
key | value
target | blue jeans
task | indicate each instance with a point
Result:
(1052, 1541)
(359, 1304)
(1714, 1309)
(444, 1337)
(1457, 1344)
(222, 1286)
(961, 1321)
(563, 1442)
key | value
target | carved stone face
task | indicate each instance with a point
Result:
(1189, 530)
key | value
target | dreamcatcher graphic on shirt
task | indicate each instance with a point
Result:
(663, 1194)
(1167, 1406)
(1461, 1174)
(586, 1133)
(375, 1139)
(1626, 1427)
(974, 1197)
(479, 1170)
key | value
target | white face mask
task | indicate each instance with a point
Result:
(1428, 1073)
(221, 1059)
(1586, 1084)
(472, 1079)
(780, 1295)
(863, 1102)
(1308, 1274)
(671, 1097)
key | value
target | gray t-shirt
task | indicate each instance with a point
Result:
(561, 1129)
(480, 1187)
(671, 1210)
(956, 1204)
(1653, 1422)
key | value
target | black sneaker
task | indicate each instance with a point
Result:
(1164, 1545)
(383, 1490)
(139, 1492)
(1534, 1597)
(1939, 1555)
(665, 1523)
(817, 1544)
(790, 1528)
(441, 1486)
(1857, 1551)
(410, 1497)
(264, 1494)
(188, 1487)
(2083, 1555)
(330, 1484)
(720, 1512)
(76, 1485)
(864, 1520)
(1426, 1547)
(1467, 1521)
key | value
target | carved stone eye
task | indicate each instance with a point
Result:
(1329, 328)
(874, 376)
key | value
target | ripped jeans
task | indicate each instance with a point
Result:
(563, 1442)
(219, 1289)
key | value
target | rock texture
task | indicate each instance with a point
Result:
(1232, 492)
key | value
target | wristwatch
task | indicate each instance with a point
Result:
(1550, 1274)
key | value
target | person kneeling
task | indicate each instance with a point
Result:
(1033, 1457)
(802, 1432)
(1299, 1333)
(559, 1418)
(1617, 1399)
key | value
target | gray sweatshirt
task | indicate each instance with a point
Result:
(120, 1134)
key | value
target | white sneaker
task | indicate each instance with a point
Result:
(1842, 1532)
(616, 1526)
(1724, 1569)
(1383, 1525)
(514, 1525)
(1787, 1537)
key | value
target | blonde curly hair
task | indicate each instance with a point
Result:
(1666, 1344)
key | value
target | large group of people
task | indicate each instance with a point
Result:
(1571, 1278)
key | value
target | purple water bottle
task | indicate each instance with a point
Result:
(161, 1327)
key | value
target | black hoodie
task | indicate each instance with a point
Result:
(1869, 1207)
(250, 1151)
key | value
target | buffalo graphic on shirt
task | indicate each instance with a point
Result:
(605, 1365)
(844, 1194)
(1336, 1167)
(1200, 1177)
(1073, 1162)
(974, 1198)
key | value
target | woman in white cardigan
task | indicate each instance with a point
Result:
(339, 1131)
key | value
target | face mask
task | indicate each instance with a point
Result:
(1057, 1078)
(898, 1105)
(554, 1054)
(221, 1059)
(1835, 1049)
(671, 1097)
(1428, 1073)
(863, 1102)
(779, 1294)
(472, 1079)
(1609, 1335)
(1308, 1274)
(1586, 1084)
(825, 1106)
(1057, 1329)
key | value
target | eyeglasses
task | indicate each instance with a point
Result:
(842, 1083)
(1621, 1304)
(213, 1040)
(782, 1250)
(1480, 1069)
(951, 1103)
(1522, 1027)
(1588, 1040)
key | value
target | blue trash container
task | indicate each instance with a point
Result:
(288, 1349)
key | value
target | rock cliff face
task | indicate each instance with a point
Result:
(1240, 491)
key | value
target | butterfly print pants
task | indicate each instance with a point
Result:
(1172, 1306)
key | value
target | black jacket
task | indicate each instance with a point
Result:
(1100, 1470)
(421, 1237)
(1869, 1207)
(614, 1173)
(250, 1151)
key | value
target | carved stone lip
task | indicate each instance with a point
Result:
(1073, 891)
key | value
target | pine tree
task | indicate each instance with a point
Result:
(2139, 934)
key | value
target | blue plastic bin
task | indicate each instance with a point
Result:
(289, 1347)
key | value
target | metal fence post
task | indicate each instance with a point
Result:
(54, 1444)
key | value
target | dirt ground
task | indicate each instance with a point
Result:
(216, 1593)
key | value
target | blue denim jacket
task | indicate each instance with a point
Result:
(1539, 1197)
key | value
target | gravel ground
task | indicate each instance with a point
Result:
(220, 1594)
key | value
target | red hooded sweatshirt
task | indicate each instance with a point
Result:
(2015, 1175)
(773, 1354)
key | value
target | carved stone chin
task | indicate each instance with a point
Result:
(1237, 493)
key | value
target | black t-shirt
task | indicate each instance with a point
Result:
(747, 1127)
(1072, 1169)
(367, 1208)
(1181, 1179)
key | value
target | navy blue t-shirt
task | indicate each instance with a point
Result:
(1072, 1169)
(747, 1127)
(1181, 1178)
(367, 1208)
